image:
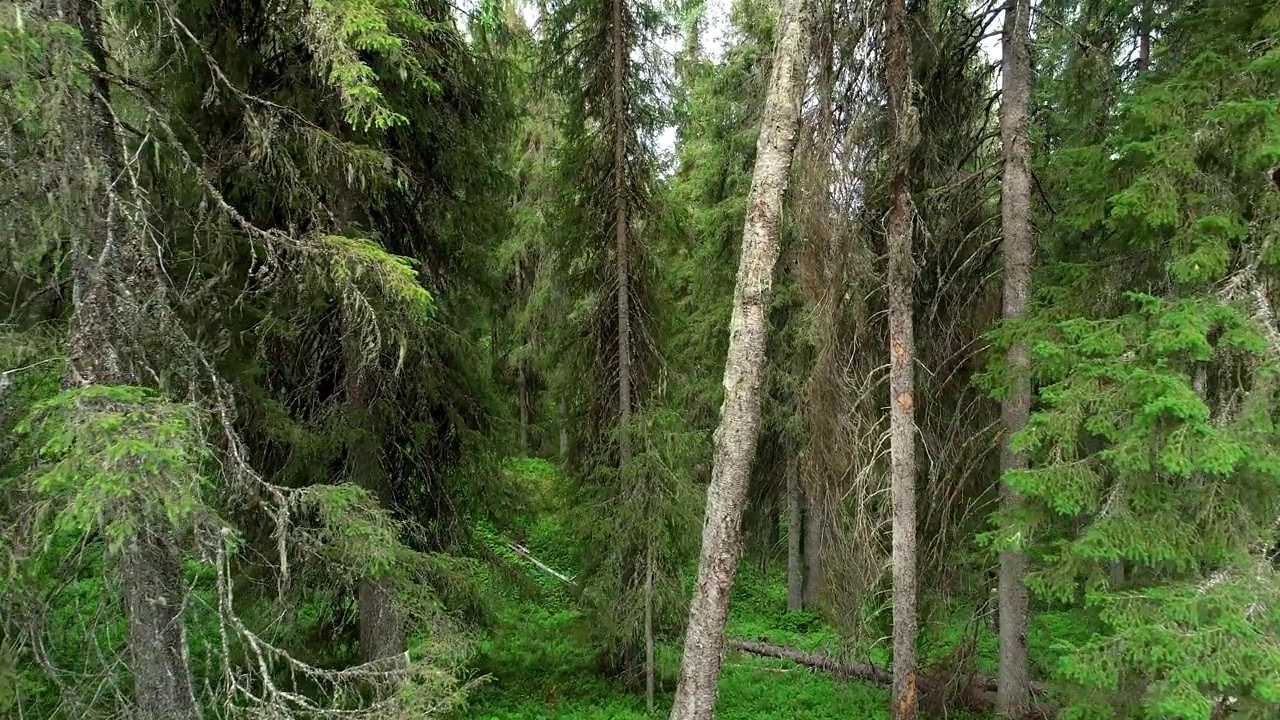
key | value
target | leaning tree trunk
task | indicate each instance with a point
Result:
(111, 269)
(1013, 680)
(901, 363)
(735, 439)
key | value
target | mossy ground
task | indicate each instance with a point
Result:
(537, 668)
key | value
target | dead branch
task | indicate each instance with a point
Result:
(523, 552)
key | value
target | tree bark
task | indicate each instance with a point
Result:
(523, 399)
(382, 633)
(1013, 698)
(621, 231)
(811, 526)
(736, 437)
(1144, 37)
(650, 664)
(1115, 574)
(522, 383)
(563, 411)
(901, 365)
(381, 628)
(156, 632)
(109, 267)
(795, 531)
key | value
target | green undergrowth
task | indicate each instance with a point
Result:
(536, 666)
(538, 670)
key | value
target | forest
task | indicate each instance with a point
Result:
(620, 359)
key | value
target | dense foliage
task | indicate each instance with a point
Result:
(361, 358)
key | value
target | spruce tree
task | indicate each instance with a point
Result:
(630, 448)
(1151, 352)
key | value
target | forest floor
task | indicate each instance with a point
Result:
(537, 667)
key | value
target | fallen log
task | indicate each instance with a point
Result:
(857, 671)
(978, 696)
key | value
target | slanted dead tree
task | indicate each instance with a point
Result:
(736, 437)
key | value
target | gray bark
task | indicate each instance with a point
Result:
(1144, 37)
(564, 434)
(109, 266)
(650, 664)
(979, 685)
(812, 529)
(523, 399)
(381, 628)
(795, 530)
(1115, 574)
(902, 438)
(736, 437)
(1013, 698)
(157, 635)
(522, 382)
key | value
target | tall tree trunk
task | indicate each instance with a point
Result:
(812, 528)
(1115, 574)
(1013, 697)
(795, 533)
(735, 439)
(901, 364)
(110, 267)
(563, 410)
(621, 235)
(650, 666)
(522, 382)
(523, 399)
(381, 628)
(156, 632)
(1144, 37)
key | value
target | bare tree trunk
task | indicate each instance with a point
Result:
(109, 267)
(523, 399)
(650, 675)
(620, 222)
(795, 530)
(382, 632)
(1115, 574)
(522, 383)
(563, 411)
(1144, 37)
(381, 628)
(1013, 697)
(902, 438)
(735, 439)
(157, 635)
(812, 529)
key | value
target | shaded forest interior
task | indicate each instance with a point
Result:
(609, 359)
